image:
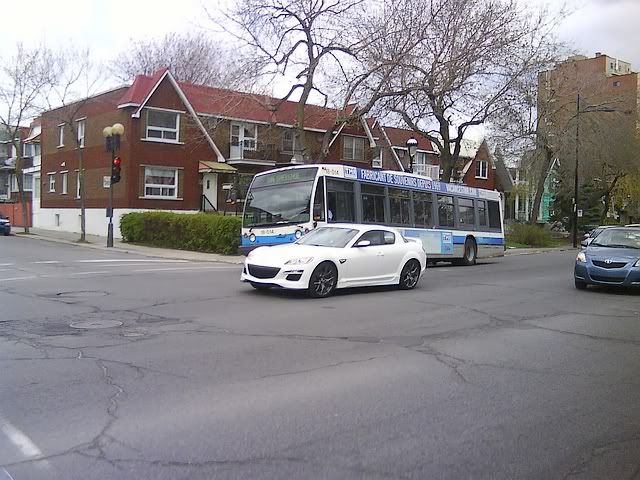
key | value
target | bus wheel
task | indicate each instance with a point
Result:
(470, 252)
(323, 280)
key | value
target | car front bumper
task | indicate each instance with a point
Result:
(294, 277)
(623, 277)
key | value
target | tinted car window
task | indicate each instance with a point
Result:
(389, 238)
(376, 237)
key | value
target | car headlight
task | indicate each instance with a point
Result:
(581, 258)
(299, 261)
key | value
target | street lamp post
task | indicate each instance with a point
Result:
(575, 178)
(112, 138)
(412, 147)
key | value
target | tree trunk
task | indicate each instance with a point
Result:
(21, 192)
(542, 179)
(82, 203)
(607, 200)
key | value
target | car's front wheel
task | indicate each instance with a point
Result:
(410, 275)
(580, 285)
(323, 280)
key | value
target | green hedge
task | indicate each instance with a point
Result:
(532, 235)
(200, 232)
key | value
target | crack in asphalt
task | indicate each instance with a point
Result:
(598, 451)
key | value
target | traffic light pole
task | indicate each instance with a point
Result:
(110, 228)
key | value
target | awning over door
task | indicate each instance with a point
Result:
(216, 167)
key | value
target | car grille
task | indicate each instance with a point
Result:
(258, 271)
(613, 279)
(600, 263)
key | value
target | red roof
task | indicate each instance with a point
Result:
(234, 104)
(399, 136)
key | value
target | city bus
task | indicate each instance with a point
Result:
(454, 222)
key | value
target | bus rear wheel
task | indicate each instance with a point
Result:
(470, 254)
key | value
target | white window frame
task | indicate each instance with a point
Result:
(61, 135)
(52, 182)
(486, 169)
(293, 141)
(161, 186)
(162, 130)
(353, 139)
(64, 181)
(82, 128)
(242, 138)
(77, 184)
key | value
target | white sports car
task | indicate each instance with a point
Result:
(338, 256)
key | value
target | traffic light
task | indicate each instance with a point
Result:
(115, 170)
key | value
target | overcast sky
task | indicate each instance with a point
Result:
(106, 27)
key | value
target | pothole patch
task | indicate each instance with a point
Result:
(81, 294)
(94, 324)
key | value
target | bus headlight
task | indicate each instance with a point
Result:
(298, 234)
(299, 261)
(252, 237)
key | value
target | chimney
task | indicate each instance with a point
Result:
(598, 54)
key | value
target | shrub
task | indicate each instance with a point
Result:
(201, 232)
(532, 235)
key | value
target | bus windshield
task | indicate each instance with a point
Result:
(279, 198)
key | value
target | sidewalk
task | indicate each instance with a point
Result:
(98, 242)
(535, 250)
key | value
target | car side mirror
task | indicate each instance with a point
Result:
(363, 243)
(584, 243)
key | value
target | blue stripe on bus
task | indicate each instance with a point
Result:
(459, 240)
(262, 240)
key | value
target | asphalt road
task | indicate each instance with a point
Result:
(498, 371)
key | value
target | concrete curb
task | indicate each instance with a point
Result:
(144, 251)
(534, 251)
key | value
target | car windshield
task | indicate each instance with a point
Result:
(279, 198)
(618, 238)
(329, 237)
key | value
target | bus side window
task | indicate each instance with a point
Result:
(340, 201)
(494, 215)
(445, 211)
(318, 201)
(482, 213)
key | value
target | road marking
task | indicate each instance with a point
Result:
(47, 262)
(91, 273)
(6, 269)
(6, 264)
(11, 279)
(6, 474)
(19, 439)
(183, 268)
(131, 260)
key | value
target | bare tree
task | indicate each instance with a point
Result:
(192, 57)
(24, 76)
(466, 66)
(77, 80)
(294, 38)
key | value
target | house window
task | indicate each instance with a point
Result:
(81, 130)
(245, 135)
(61, 135)
(482, 169)
(288, 141)
(616, 83)
(160, 182)
(162, 125)
(65, 181)
(354, 148)
(52, 182)
(77, 184)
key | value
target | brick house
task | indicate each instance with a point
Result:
(185, 147)
(486, 170)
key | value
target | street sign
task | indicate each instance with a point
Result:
(106, 181)
(579, 213)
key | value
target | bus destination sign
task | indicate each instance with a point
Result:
(397, 180)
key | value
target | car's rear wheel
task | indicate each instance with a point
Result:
(410, 275)
(580, 285)
(323, 280)
(259, 286)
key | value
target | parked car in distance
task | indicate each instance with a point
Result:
(5, 226)
(338, 256)
(612, 258)
(593, 233)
